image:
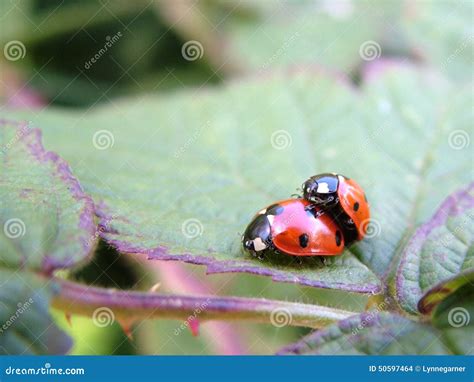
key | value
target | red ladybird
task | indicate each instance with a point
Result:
(343, 199)
(294, 227)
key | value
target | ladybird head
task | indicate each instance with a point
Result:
(321, 189)
(257, 236)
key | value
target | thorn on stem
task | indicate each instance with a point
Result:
(127, 328)
(67, 316)
(194, 327)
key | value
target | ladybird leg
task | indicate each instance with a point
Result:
(329, 200)
(262, 255)
(313, 209)
(270, 245)
(299, 260)
(319, 260)
(299, 193)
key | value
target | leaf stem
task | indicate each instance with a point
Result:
(131, 306)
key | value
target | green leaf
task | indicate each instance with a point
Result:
(26, 326)
(384, 333)
(440, 251)
(421, 142)
(372, 333)
(344, 36)
(455, 316)
(46, 219)
(179, 177)
(440, 291)
(286, 33)
(46, 224)
(441, 32)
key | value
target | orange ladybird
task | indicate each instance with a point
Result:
(343, 199)
(294, 227)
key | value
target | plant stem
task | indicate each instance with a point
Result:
(130, 306)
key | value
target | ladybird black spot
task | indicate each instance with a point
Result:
(338, 238)
(304, 240)
(356, 206)
(274, 209)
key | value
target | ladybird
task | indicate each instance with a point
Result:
(294, 227)
(343, 199)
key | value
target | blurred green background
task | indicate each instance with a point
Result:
(169, 46)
